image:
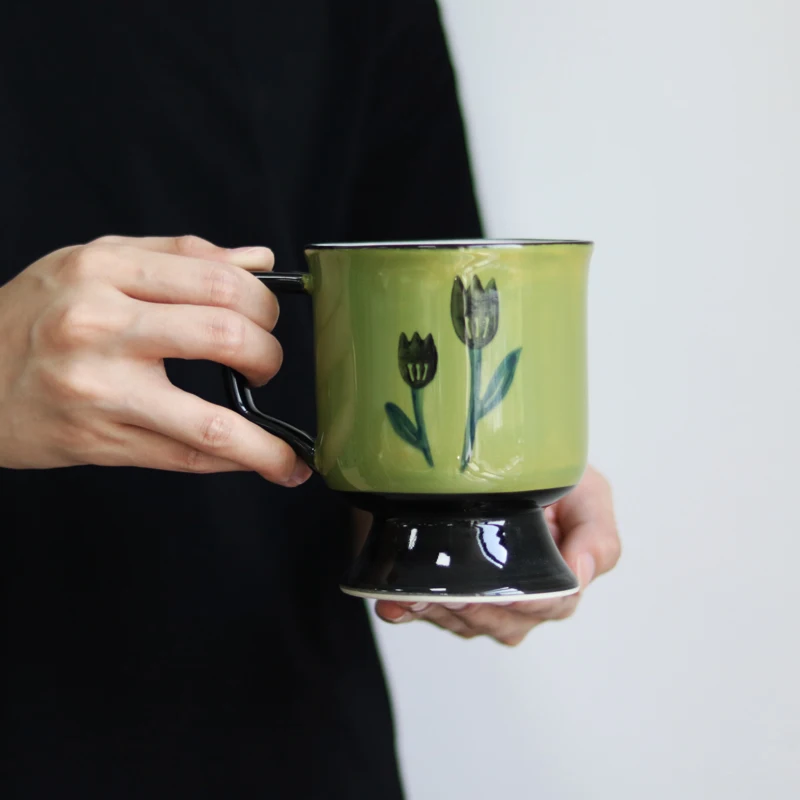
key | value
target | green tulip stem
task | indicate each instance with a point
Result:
(474, 410)
(422, 433)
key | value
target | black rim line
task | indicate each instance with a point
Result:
(456, 244)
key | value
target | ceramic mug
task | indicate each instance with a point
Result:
(451, 393)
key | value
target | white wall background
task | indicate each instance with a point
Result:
(669, 132)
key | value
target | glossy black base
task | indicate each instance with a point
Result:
(481, 547)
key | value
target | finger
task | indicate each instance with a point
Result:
(445, 619)
(390, 611)
(162, 278)
(590, 543)
(543, 610)
(197, 247)
(434, 613)
(216, 431)
(465, 620)
(487, 620)
(199, 332)
(138, 447)
(397, 611)
(551, 517)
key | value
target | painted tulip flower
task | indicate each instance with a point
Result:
(475, 312)
(417, 360)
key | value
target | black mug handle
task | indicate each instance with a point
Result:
(239, 392)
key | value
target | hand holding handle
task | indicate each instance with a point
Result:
(240, 394)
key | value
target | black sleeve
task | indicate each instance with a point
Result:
(414, 179)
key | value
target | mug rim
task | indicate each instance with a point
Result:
(446, 244)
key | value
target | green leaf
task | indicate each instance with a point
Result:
(500, 383)
(402, 425)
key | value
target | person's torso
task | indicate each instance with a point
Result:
(165, 628)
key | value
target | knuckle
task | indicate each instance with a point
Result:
(611, 550)
(194, 460)
(227, 333)
(74, 326)
(189, 245)
(215, 431)
(85, 263)
(108, 239)
(73, 382)
(223, 287)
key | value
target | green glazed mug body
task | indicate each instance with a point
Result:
(450, 368)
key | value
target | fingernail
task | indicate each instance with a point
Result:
(302, 472)
(418, 606)
(550, 513)
(400, 619)
(455, 606)
(585, 569)
(251, 256)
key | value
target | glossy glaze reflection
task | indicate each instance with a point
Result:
(491, 546)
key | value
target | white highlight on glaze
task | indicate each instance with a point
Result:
(443, 560)
(412, 539)
(491, 543)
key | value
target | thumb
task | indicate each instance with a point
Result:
(253, 259)
(590, 542)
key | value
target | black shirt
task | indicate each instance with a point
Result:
(168, 635)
